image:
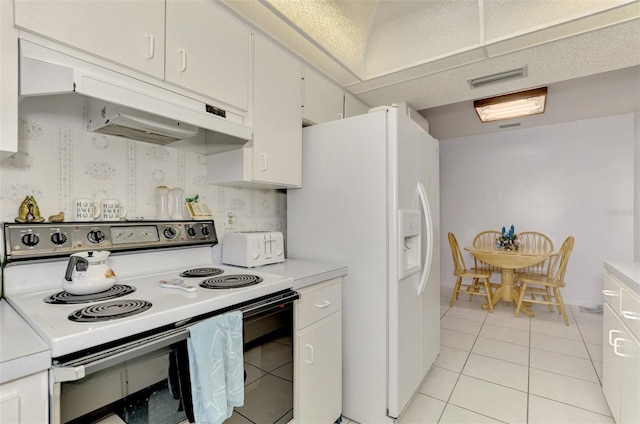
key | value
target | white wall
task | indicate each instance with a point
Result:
(575, 178)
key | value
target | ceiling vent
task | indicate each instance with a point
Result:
(513, 74)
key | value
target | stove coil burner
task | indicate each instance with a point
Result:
(201, 272)
(64, 298)
(107, 311)
(231, 281)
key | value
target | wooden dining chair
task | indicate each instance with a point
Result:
(545, 289)
(486, 239)
(535, 241)
(479, 284)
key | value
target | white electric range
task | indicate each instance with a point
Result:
(151, 252)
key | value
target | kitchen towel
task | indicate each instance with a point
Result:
(216, 367)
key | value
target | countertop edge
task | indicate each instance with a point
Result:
(306, 273)
(23, 352)
(628, 272)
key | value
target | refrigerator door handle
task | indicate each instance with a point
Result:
(428, 251)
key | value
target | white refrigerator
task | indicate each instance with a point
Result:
(370, 199)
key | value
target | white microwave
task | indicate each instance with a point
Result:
(253, 248)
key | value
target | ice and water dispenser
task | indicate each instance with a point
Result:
(410, 242)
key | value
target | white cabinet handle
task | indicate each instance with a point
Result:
(611, 293)
(323, 305)
(265, 163)
(183, 53)
(311, 360)
(630, 315)
(616, 346)
(152, 46)
(611, 342)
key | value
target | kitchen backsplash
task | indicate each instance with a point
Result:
(56, 164)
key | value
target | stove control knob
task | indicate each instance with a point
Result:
(95, 236)
(58, 238)
(30, 239)
(205, 231)
(170, 233)
(191, 231)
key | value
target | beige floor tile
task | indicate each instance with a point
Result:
(489, 399)
(451, 359)
(563, 364)
(556, 329)
(462, 325)
(455, 415)
(542, 314)
(559, 345)
(508, 335)
(510, 352)
(568, 390)
(422, 410)
(439, 383)
(546, 411)
(456, 340)
(464, 311)
(503, 317)
(497, 371)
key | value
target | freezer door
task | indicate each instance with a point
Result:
(409, 148)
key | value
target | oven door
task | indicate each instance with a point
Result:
(143, 381)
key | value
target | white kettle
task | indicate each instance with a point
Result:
(88, 272)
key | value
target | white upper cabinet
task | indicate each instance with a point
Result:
(207, 51)
(323, 99)
(277, 126)
(8, 81)
(274, 157)
(130, 33)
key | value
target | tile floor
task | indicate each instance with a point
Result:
(496, 368)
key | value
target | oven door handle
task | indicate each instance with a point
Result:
(75, 370)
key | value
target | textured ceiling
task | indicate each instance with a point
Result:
(423, 52)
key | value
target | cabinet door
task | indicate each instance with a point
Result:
(208, 51)
(25, 400)
(630, 380)
(130, 33)
(319, 372)
(323, 99)
(8, 81)
(277, 123)
(611, 362)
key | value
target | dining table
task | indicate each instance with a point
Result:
(508, 261)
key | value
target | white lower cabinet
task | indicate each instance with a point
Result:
(25, 400)
(317, 397)
(621, 354)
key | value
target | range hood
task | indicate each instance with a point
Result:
(120, 105)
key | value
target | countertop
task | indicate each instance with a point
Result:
(628, 272)
(306, 273)
(22, 351)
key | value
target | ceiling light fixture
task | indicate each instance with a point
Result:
(514, 105)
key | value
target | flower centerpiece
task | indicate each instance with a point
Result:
(509, 240)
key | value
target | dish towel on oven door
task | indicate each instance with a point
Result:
(216, 367)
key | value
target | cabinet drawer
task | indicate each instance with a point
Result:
(318, 302)
(630, 311)
(611, 292)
